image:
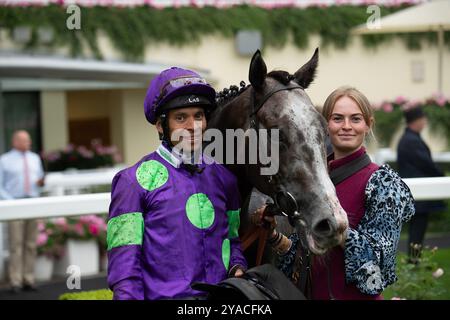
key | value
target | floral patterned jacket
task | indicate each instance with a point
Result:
(371, 248)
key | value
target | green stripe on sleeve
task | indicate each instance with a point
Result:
(126, 229)
(233, 223)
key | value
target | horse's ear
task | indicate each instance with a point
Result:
(305, 75)
(258, 71)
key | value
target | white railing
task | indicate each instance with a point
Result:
(73, 205)
(72, 182)
(57, 206)
(384, 155)
(63, 189)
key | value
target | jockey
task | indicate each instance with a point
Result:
(172, 223)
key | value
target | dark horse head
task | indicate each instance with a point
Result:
(277, 100)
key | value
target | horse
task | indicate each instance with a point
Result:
(277, 100)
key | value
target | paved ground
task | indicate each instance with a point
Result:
(52, 290)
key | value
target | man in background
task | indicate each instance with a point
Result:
(21, 175)
(414, 161)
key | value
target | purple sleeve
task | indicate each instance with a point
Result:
(124, 238)
(236, 257)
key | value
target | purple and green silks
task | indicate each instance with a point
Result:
(168, 228)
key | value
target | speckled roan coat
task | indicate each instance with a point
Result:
(302, 156)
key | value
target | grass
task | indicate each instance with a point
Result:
(442, 258)
(103, 294)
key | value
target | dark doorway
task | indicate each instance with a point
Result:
(21, 110)
(83, 131)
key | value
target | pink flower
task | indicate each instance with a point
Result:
(387, 107)
(86, 219)
(42, 239)
(41, 226)
(78, 228)
(69, 148)
(410, 105)
(85, 152)
(400, 100)
(94, 230)
(440, 99)
(61, 223)
(397, 298)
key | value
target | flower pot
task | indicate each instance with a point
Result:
(81, 253)
(43, 268)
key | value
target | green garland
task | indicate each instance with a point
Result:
(389, 116)
(131, 29)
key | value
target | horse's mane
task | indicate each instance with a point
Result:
(227, 94)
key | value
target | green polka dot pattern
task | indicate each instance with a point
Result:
(152, 175)
(126, 229)
(200, 210)
(226, 253)
(233, 223)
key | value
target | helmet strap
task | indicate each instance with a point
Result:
(165, 135)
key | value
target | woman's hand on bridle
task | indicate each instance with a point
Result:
(261, 219)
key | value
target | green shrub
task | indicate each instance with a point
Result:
(103, 294)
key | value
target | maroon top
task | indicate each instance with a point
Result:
(350, 193)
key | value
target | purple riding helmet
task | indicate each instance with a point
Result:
(177, 88)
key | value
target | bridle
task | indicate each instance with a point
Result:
(293, 214)
(284, 205)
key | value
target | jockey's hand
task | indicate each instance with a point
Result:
(239, 273)
(236, 271)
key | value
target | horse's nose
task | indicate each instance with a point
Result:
(324, 228)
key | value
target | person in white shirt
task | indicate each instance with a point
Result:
(21, 176)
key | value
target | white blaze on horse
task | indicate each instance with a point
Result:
(301, 187)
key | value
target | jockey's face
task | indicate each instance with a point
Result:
(186, 126)
(347, 127)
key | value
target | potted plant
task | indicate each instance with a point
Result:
(49, 249)
(81, 237)
(82, 157)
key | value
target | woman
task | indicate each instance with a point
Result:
(377, 203)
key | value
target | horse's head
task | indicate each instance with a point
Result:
(301, 183)
(281, 103)
(302, 173)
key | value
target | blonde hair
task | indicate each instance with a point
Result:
(357, 96)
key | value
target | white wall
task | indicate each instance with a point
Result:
(55, 134)
(382, 74)
(140, 137)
